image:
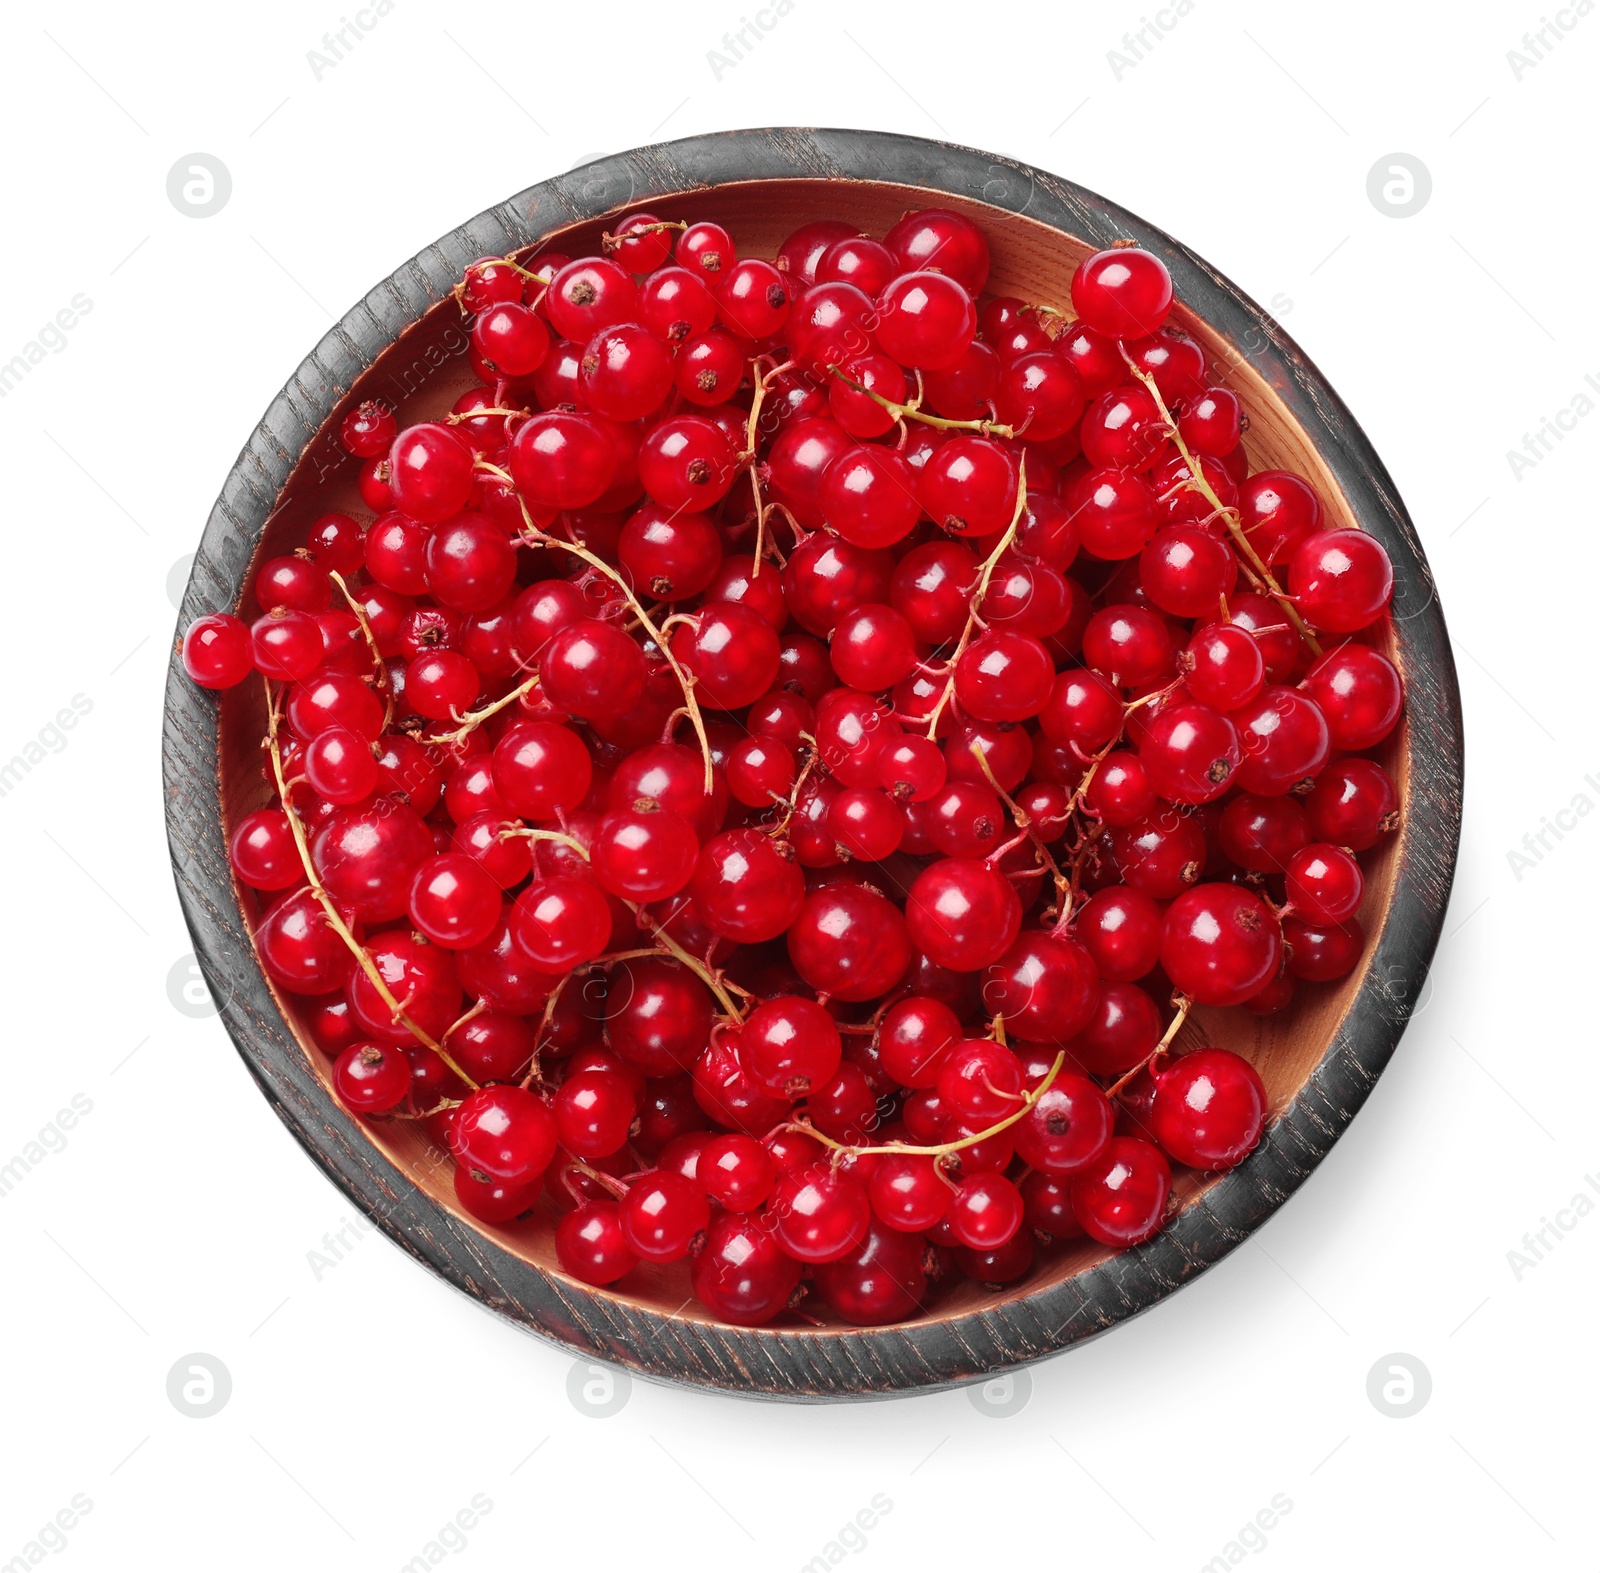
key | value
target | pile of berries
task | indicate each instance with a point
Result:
(790, 747)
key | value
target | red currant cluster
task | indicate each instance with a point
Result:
(703, 795)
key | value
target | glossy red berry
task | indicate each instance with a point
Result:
(1043, 987)
(1358, 691)
(925, 319)
(747, 889)
(561, 922)
(371, 1078)
(742, 1274)
(1121, 929)
(663, 1217)
(559, 459)
(1211, 421)
(1285, 739)
(1210, 1107)
(1121, 1197)
(1004, 676)
(1262, 833)
(790, 1045)
(1341, 580)
(963, 914)
(736, 1172)
(687, 462)
(644, 856)
(872, 647)
(589, 294)
(430, 473)
(1223, 666)
(541, 769)
(969, 486)
(367, 430)
(505, 1132)
(1190, 753)
(1278, 510)
(850, 942)
(950, 243)
(1123, 430)
(591, 1246)
(594, 1110)
(985, 1212)
(733, 652)
(1219, 944)
(1353, 804)
(217, 651)
(819, 1213)
(592, 669)
(1322, 952)
(1323, 884)
(1124, 293)
(511, 339)
(1113, 512)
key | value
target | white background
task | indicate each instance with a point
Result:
(371, 1404)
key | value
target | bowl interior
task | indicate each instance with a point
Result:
(426, 369)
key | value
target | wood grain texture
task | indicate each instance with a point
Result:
(404, 342)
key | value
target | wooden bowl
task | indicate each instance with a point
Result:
(405, 343)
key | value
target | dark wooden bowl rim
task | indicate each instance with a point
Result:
(800, 1363)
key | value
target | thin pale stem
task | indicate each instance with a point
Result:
(1025, 1103)
(706, 975)
(1021, 818)
(909, 411)
(335, 919)
(476, 718)
(985, 574)
(380, 671)
(534, 534)
(1182, 1005)
(1199, 483)
(757, 399)
(527, 832)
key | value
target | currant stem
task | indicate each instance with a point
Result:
(473, 415)
(1198, 482)
(335, 919)
(979, 591)
(1182, 1005)
(685, 681)
(476, 718)
(1028, 1100)
(1023, 821)
(705, 974)
(749, 457)
(779, 830)
(910, 411)
(380, 671)
(610, 243)
(512, 832)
